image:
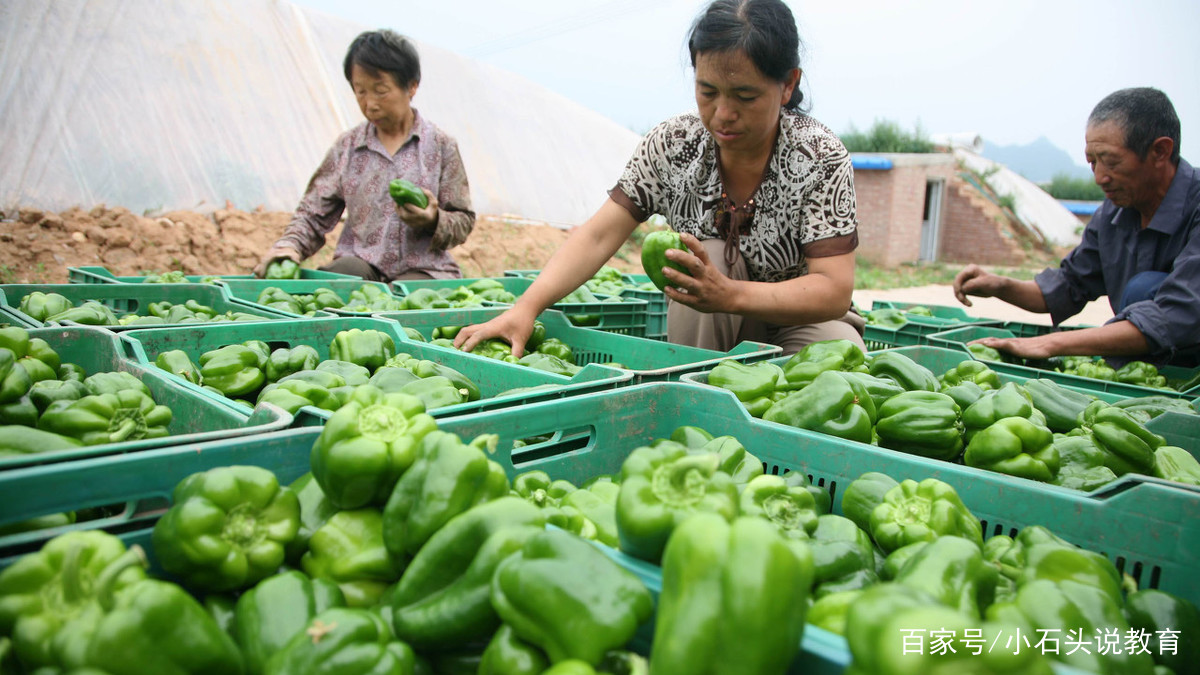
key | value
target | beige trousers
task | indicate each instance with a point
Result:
(723, 332)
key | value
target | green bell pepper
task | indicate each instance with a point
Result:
(838, 355)
(912, 512)
(821, 495)
(904, 371)
(351, 373)
(831, 404)
(964, 393)
(736, 461)
(886, 317)
(448, 477)
(843, 556)
(108, 418)
(368, 348)
(1129, 445)
(1081, 463)
(556, 347)
(1176, 464)
(177, 362)
(507, 654)
(1060, 406)
(348, 550)
(283, 361)
(790, 508)
(1015, 446)
(20, 412)
(1157, 613)
(392, 379)
(16, 340)
(17, 440)
(424, 368)
(277, 608)
(1009, 400)
(878, 388)
(734, 598)
(663, 485)
(984, 353)
(315, 511)
(443, 596)
(277, 298)
(14, 379)
(344, 640)
(922, 423)
(39, 306)
(367, 445)
(114, 382)
(425, 298)
(953, 570)
(863, 494)
(752, 384)
(654, 255)
(548, 363)
(233, 370)
(42, 394)
(537, 488)
(537, 592)
(90, 313)
(43, 594)
(227, 528)
(1146, 408)
(829, 611)
(597, 503)
(282, 268)
(971, 371)
(406, 192)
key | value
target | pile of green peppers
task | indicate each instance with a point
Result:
(1036, 430)
(47, 405)
(542, 353)
(53, 308)
(298, 376)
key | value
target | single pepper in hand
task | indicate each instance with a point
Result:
(406, 192)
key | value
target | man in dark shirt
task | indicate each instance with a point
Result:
(1141, 248)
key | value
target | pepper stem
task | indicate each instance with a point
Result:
(106, 585)
(72, 585)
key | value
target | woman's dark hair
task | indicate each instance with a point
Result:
(386, 51)
(1145, 113)
(764, 29)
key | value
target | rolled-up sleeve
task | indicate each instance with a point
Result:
(1171, 320)
(456, 218)
(320, 208)
(640, 190)
(1078, 280)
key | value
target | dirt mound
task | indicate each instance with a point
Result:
(39, 246)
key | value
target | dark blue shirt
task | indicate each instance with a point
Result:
(1115, 248)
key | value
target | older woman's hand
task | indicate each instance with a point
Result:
(706, 290)
(418, 218)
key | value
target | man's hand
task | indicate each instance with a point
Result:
(974, 280)
(706, 290)
(1026, 348)
(276, 252)
(417, 218)
(513, 326)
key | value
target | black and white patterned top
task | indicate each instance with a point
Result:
(803, 208)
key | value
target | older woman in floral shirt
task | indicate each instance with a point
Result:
(382, 241)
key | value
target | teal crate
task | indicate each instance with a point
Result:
(92, 274)
(1178, 429)
(656, 308)
(1158, 543)
(1023, 329)
(958, 338)
(195, 417)
(626, 318)
(248, 290)
(492, 376)
(946, 313)
(136, 298)
(648, 360)
(10, 318)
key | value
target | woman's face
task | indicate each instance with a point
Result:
(382, 101)
(738, 104)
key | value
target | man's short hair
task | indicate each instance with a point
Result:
(1145, 113)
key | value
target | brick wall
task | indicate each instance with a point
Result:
(891, 207)
(974, 229)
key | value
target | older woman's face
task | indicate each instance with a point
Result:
(381, 99)
(737, 103)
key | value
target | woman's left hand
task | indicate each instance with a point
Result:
(706, 289)
(417, 218)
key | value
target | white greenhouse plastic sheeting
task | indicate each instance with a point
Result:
(184, 104)
(1034, 207)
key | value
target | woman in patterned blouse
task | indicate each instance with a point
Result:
(761, 193)
(382, 241)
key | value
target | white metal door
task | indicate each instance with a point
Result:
(932, 222)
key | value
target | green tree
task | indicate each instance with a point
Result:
(887, 136)
(1063, 186)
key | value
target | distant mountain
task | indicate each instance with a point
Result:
(1038, 161)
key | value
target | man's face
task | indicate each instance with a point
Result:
(1127, 180)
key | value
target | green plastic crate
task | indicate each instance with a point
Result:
(248, 290)
(947, 313)
(648, 360)
(958, 338)
(626, 318)
(195, 418)
(656, 308)
(92, 274)
(492, 376)
(136, 298)
(1178, 429)
(10, 318)
(1158, 543)
(1023, 329)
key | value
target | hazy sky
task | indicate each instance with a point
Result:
(1011, 71)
